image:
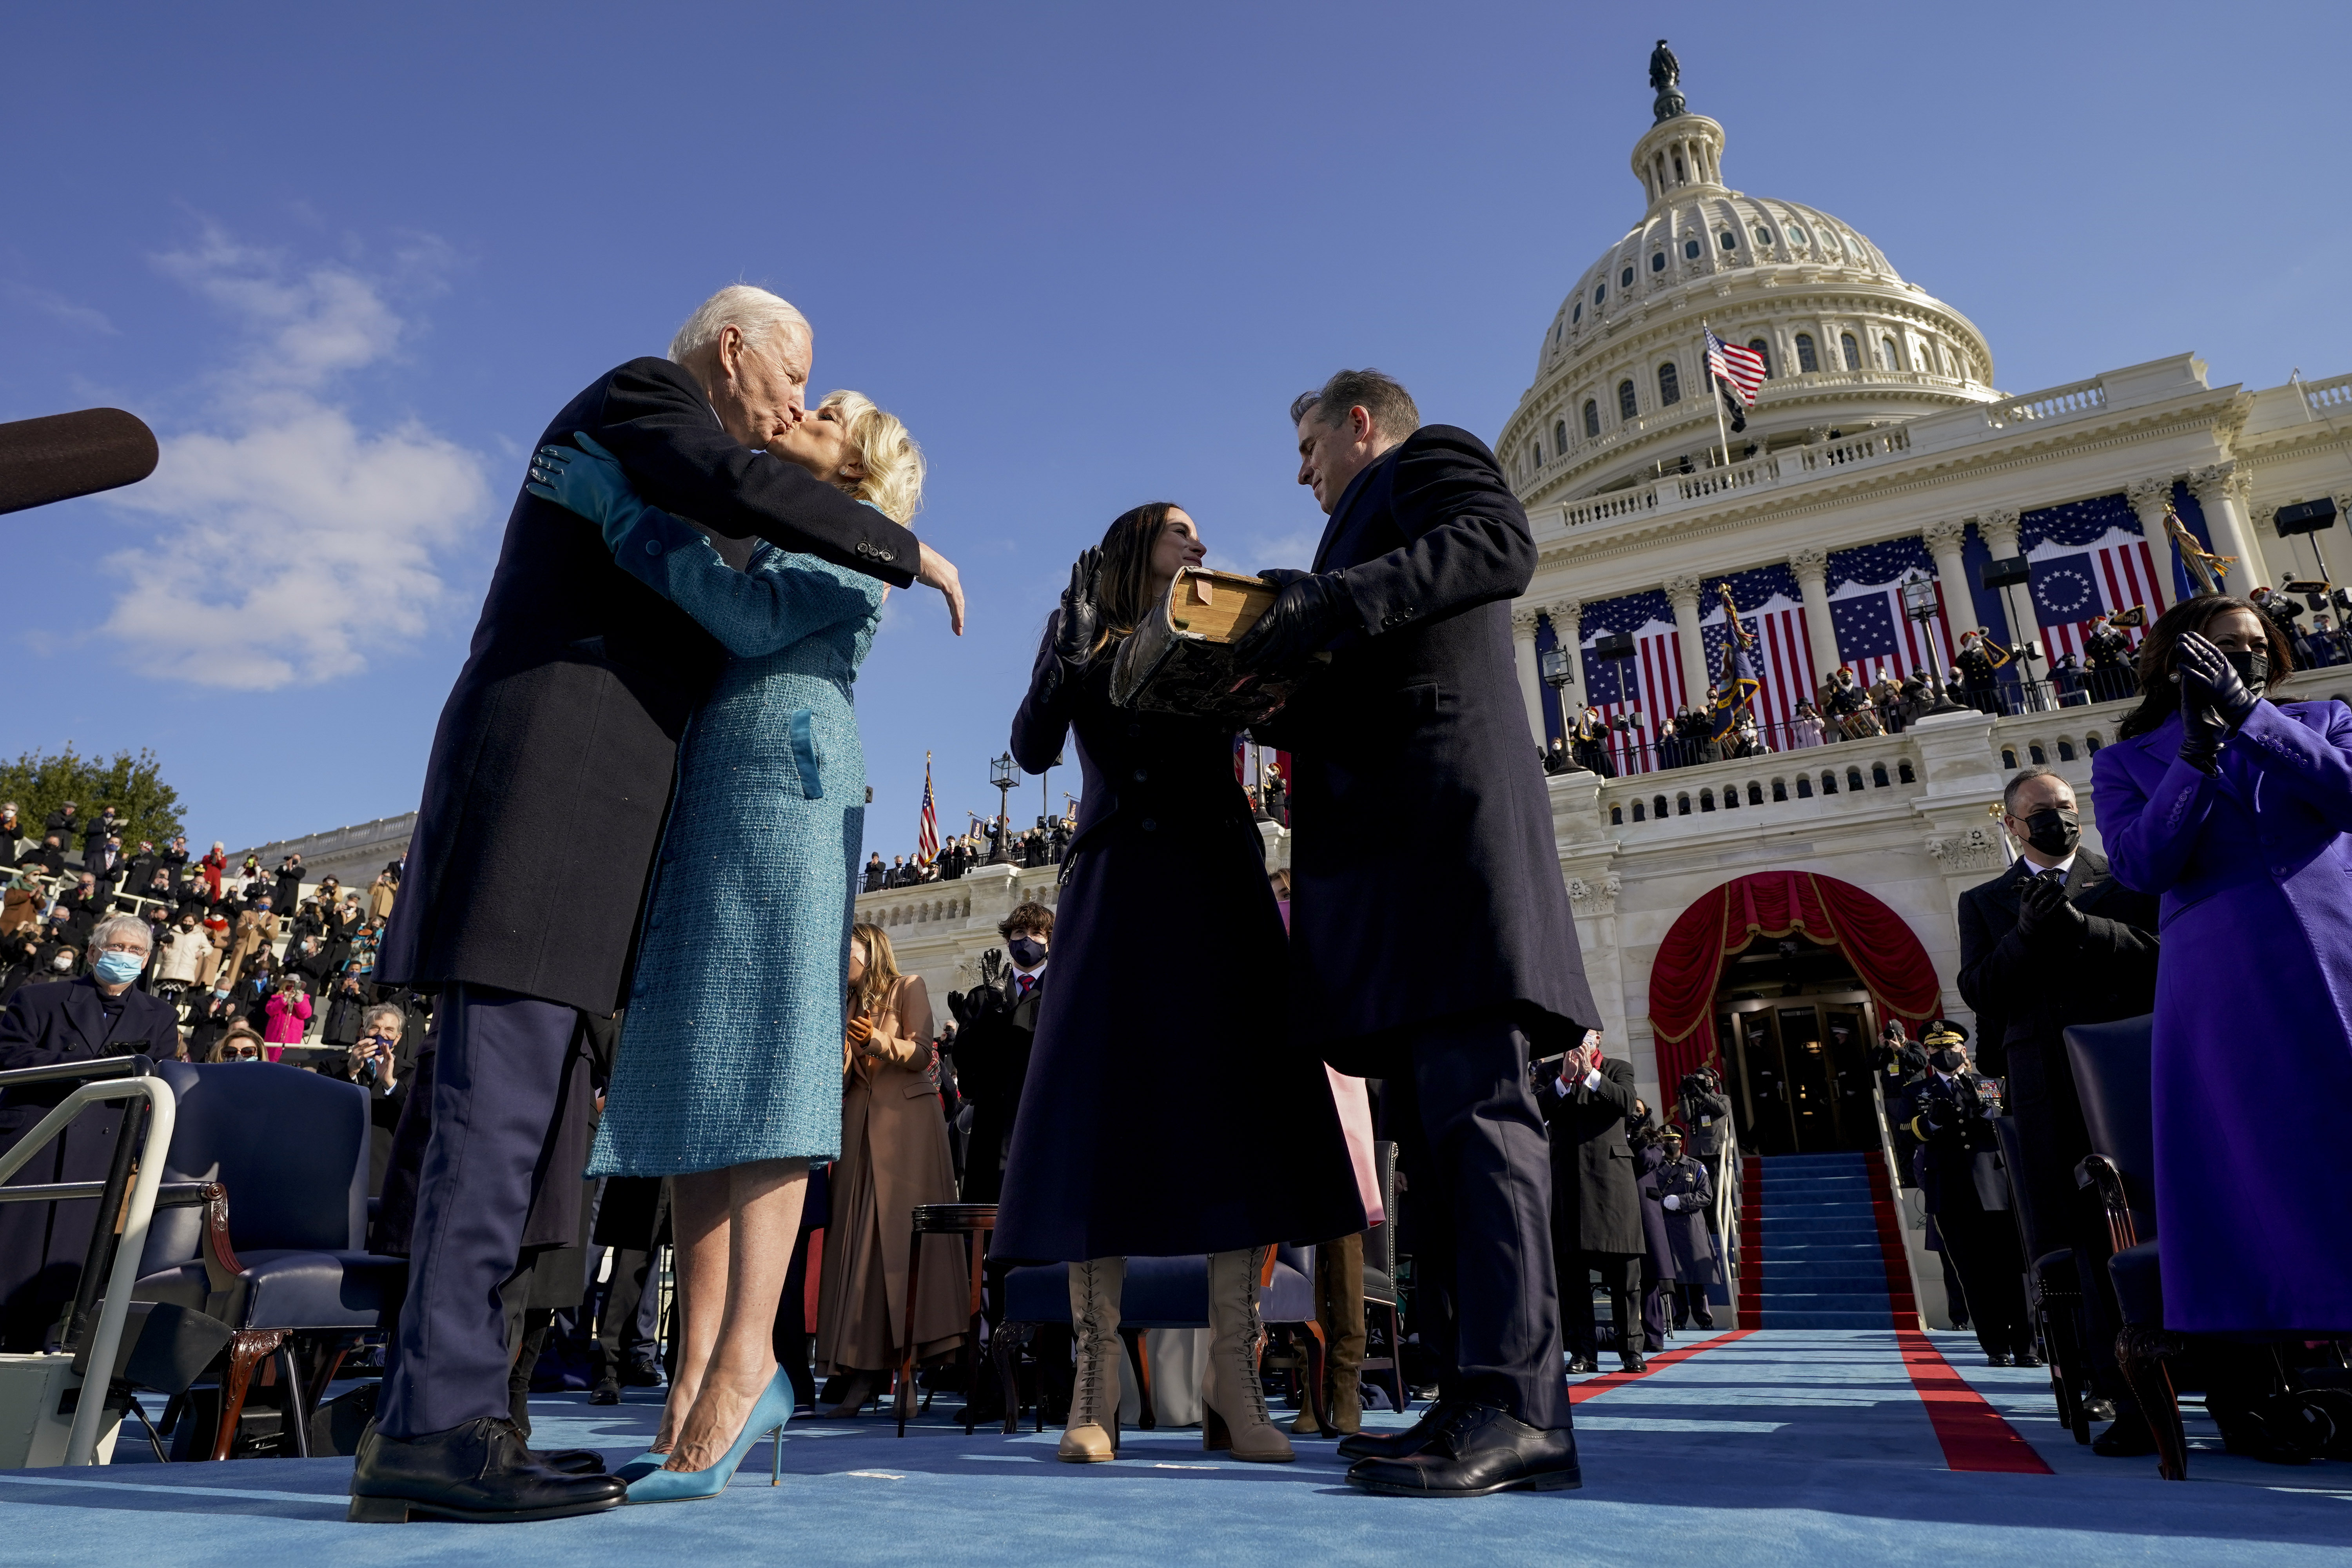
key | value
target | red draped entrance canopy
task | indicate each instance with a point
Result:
(1883, 950)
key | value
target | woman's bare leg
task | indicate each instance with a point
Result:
(701, 1230)
(763, 1221)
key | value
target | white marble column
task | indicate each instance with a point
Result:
(2000, 531)
(1682, 593)
(1567, 619)
(1523, 643)
(1811, 565)
(2149, 497)
(1944, 541)
(2221, 492)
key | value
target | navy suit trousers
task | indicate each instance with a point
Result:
(1472, 1140)
(496, 1083)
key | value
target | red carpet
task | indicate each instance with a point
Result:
(1973, 1434)
(1578, 1393)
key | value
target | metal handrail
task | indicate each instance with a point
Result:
(81, 1442)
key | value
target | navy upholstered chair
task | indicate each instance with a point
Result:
(1382, 1300)
(282, 1258)
(1159, 1293)
(2114, 1076)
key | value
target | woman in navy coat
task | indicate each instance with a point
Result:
(2238, 811)
(1167, 1109)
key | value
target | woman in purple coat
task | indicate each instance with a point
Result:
(2239, 812)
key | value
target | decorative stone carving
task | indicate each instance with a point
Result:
(1810, 562)
(2148, 497)
(1598, 897)
(2000, 530)
(1681, 591)
(1566, 613)
(1944, 534)
(1978, 850)
(2212, 481)
(1523, 619)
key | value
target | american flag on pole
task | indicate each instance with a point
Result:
(1742, 370)
(1779, 656)
(1617, 686)
(2089, 558)
(927, 839)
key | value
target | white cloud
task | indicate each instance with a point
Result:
(292, 542)
(56, 307)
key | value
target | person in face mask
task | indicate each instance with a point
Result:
(1950, 1112)
(2232, 809)
(49, 1021)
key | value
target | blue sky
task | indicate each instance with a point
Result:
(347, 263)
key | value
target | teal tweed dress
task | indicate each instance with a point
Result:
(731, 1048)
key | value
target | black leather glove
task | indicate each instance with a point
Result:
(2208, 672)
(992, 968)
(2044, 911)
(960, 1008)
(1081, 623)
(1312, 609)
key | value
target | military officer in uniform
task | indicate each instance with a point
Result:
(1968, 1192)
(2108, 653)
(1682, 1188)
(1980, 658)
(1896, 1063)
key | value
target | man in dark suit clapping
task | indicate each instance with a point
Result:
(1432, 971)
(2055, 940)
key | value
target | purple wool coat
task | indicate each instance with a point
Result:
(2253, 1009)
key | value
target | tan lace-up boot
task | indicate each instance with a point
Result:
(1233, 1404)
(1091, 1435)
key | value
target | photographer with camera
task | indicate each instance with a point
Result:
(101, 1013)
(379, 1064)
(1897, 1064)
(1967, 1194)
(1705, 1111)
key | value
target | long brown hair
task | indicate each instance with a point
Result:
(871, 990)
(2159, 695)
(1124, 597)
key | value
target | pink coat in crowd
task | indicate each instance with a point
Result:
(287, 1017)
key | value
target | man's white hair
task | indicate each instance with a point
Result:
(121, 926)
(759, 315)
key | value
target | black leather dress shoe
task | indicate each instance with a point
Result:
(1633, 1363)
(607, 1392)
(2028, 1357)
(1476, 1450)
(572, 1461)
(1582, 1363)
(476, 1472)
(1394, 1444)
(2000, 1358)
(2128, 1439)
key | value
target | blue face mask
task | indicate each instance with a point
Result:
(119, 968)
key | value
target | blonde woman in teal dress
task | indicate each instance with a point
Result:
(728, 1075)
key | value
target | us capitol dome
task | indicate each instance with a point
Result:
(1620, 392)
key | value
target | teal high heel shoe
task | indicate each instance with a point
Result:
(643, 1465)
(767, 1420)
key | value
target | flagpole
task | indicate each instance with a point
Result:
(1715, 396)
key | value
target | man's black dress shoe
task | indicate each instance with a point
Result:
(1394, 1444)
(1633, 1363)
(572, 1461)
(2128, 1439)
(478, 1472)
(1476, 1450)
(607, 1392)
(2000, 1358)
(2029, 1357)
(641, 1375)
(1582, 1363)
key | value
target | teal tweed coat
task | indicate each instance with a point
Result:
(731, 1048)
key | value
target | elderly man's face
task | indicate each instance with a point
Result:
(756, 389)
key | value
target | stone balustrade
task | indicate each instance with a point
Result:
(2077, 397)
(2325, 398)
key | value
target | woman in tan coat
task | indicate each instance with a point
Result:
(894, 1155)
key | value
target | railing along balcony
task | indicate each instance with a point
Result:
(2078, 397)
(2328, 397)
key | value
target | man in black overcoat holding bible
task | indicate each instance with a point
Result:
(543, 806)
(1436, 969)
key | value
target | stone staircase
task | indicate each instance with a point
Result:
(1820, 1246)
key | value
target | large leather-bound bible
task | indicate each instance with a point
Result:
(1181, 659)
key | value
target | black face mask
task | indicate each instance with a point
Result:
(1027, 950)
(2054, 830)
(2253, 668)
(1947, 1061)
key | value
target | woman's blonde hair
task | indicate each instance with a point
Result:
(893, 462)
(871, 989)
(240, 1030)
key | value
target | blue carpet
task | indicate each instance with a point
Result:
(1822, 1266)
(1809, 1449)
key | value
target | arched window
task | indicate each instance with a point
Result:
(1559, 434)
(1670, 384)
(1903, 772)
(1639, 814)
(1658, 261)
(1804, 787)
(1535, 453)
(1780, 789)
(1599, 292)
(2007, 760)
(1658, 807)
(1626, 408)
(1575, 315)
(1617, 815)
(2090, 745)
(1690, 249)
(1625, 278)
(1878, 776)
(2034, 752)
(1853, 352)
(1730, 240)
(1678, 168)
(1887, 354)
(1762, 350)
(1828, 781)
(1730, 796)
(1707, 800)
(1854, 779)
(1806, 359)
(1591, 418)
(2065, 750)
(1755, 793)
(1682, 806)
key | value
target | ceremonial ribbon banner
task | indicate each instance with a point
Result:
(1882, 948)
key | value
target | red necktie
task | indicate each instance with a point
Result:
(1027, 982)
